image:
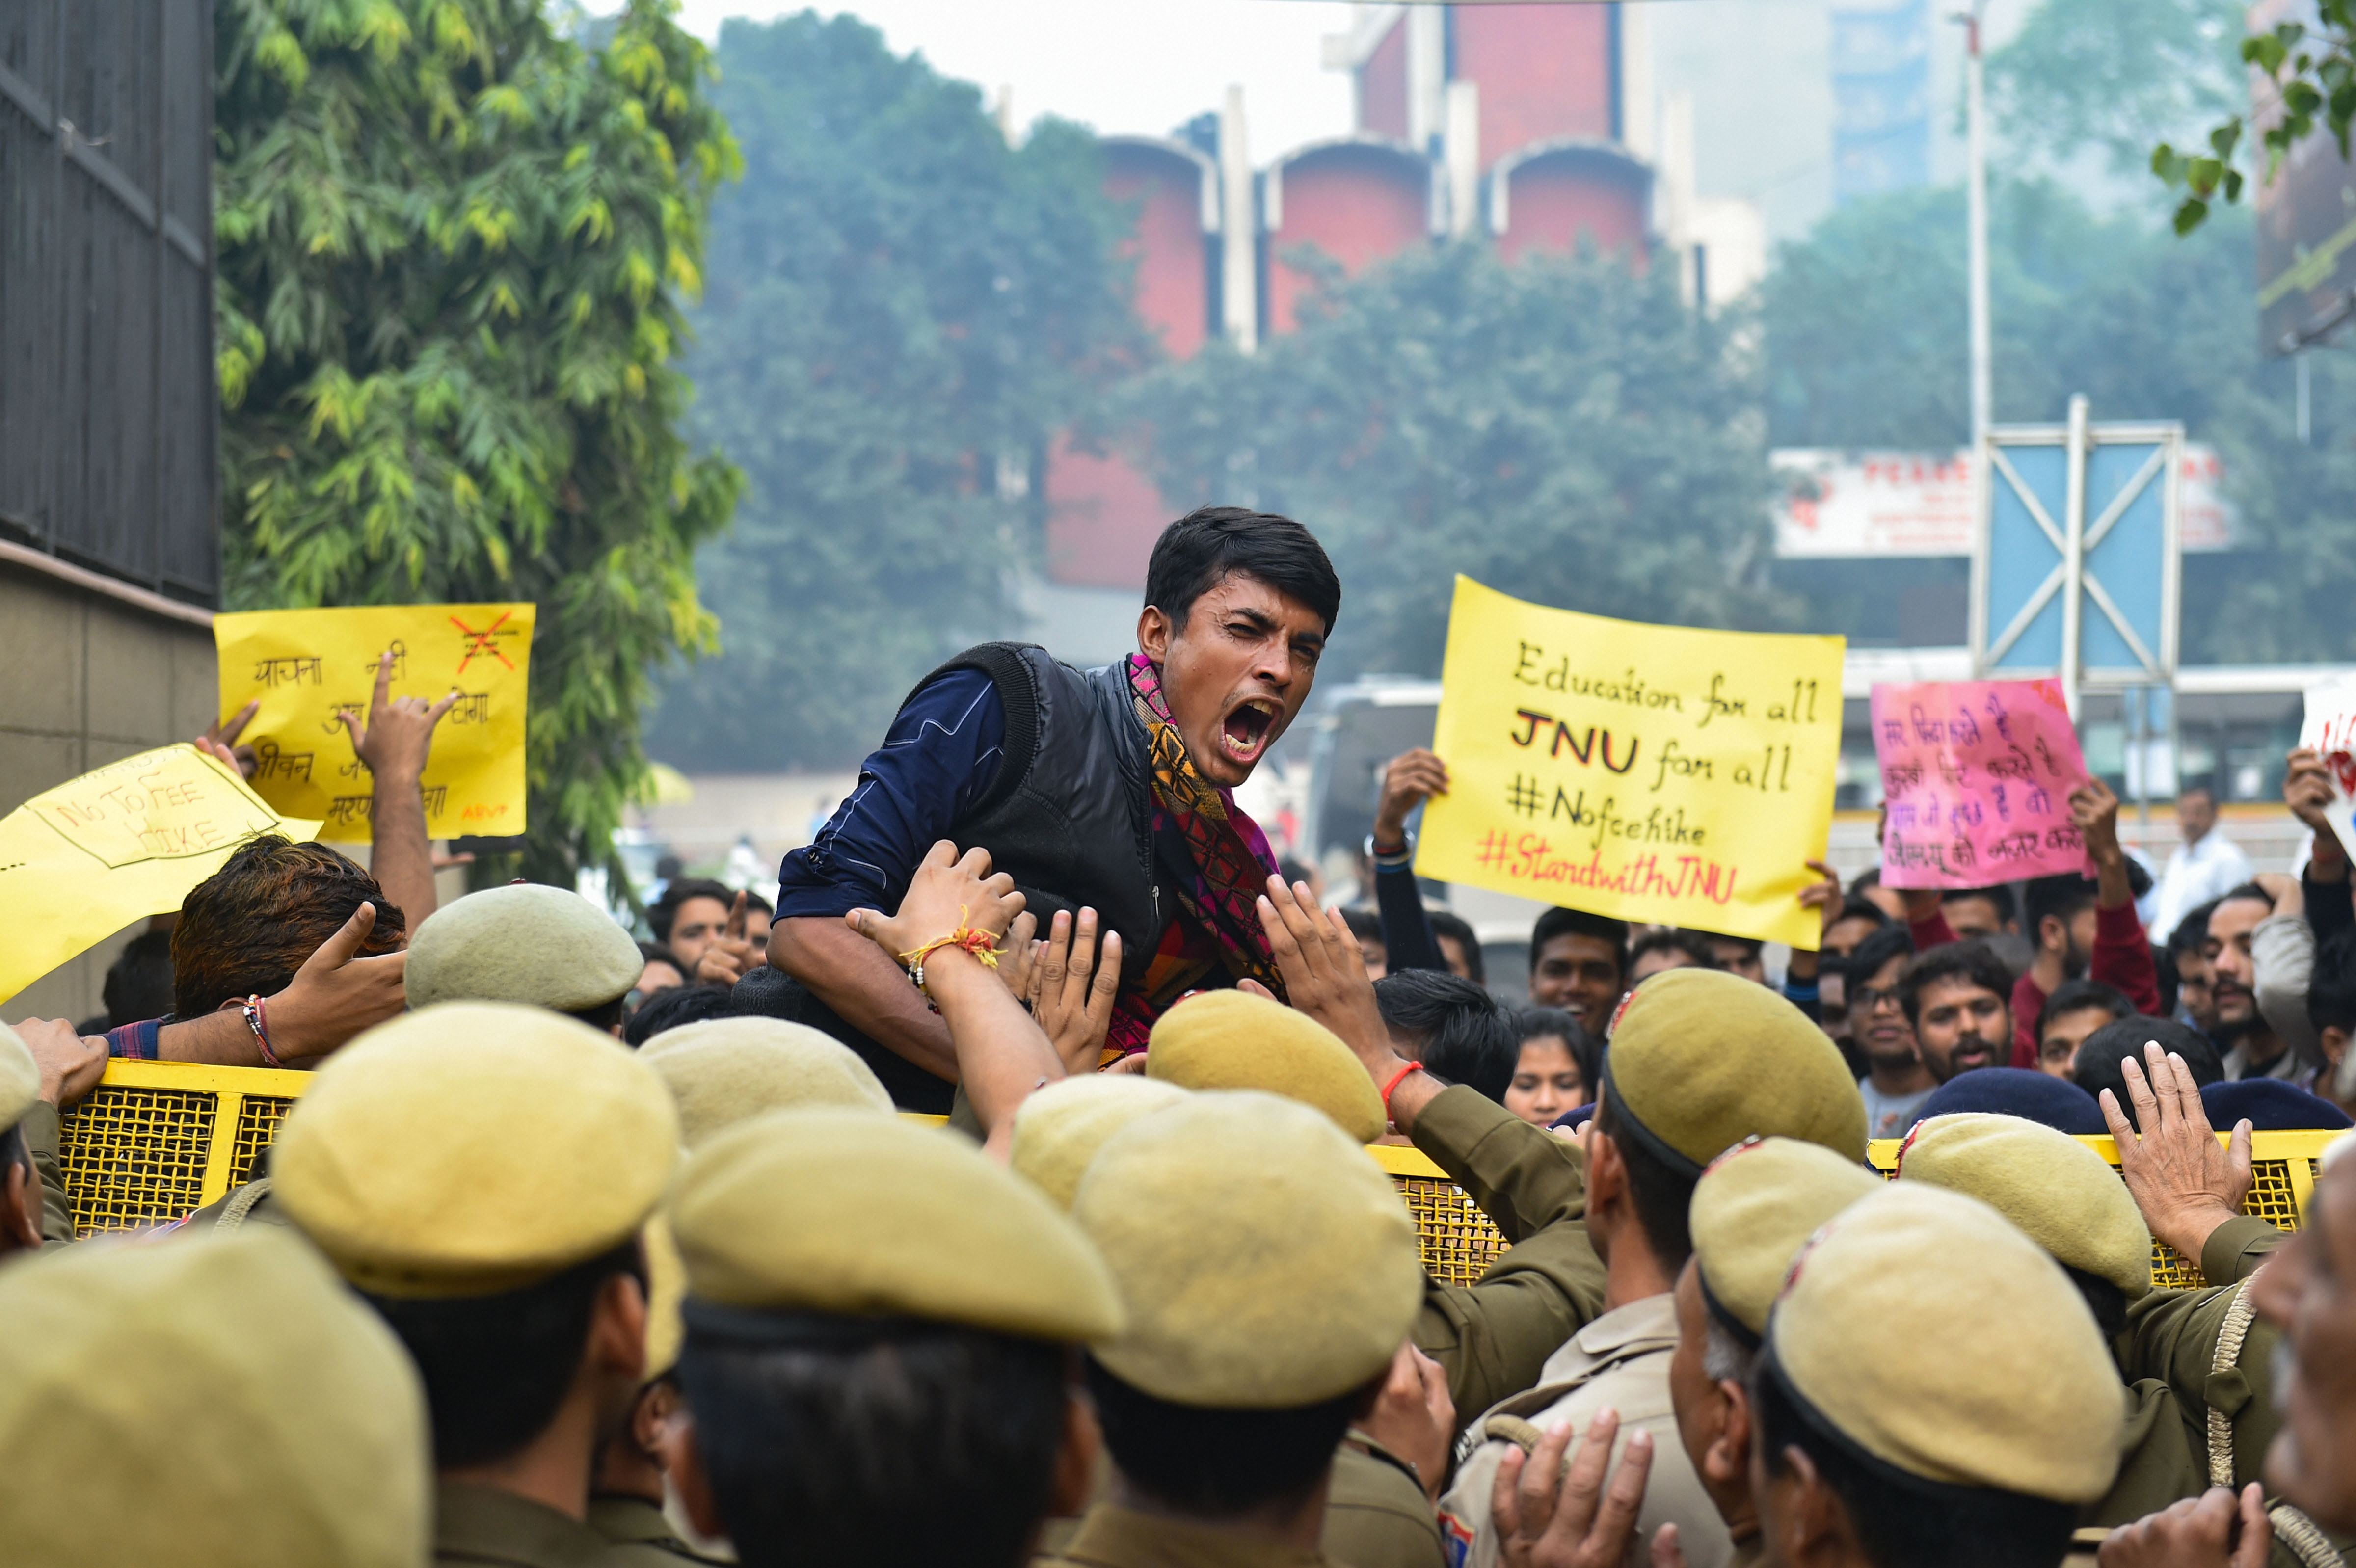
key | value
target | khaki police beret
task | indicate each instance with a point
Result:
(839, 1212)
(1232, 1040)
(1058, 1130)
(735, 1069)
(545, 948)
(1266, 1260)
(473, 1147)
(1927, 1330)
(1701, 1060)
(1753, 1209)
(2062, 1195)
(666, 1287)
(20, 1078)
(217, 1401)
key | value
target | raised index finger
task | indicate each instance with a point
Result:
(735, 926)
(383, 680)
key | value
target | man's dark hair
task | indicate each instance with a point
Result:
(2193, 929)
(663, 913)
(1892, 941)
(1294, 872)
(1662, 1195)
(1974, 960)
(927, 1443)
(2249, 890)
(1556, 923)
(1202, 548)
(1693, 944)
(655, 953)
(2200, 789)
(2332, 987)
(1751, 945)
(139, 982)
(2065, 895)
(1459, 1031)
(1448, 923)
(1901, 1520)
(605, 1015)
(688, 1004)
(1216, 1464)
(2097, 1066)
(244, 930)
(2077, 996)
(1532, 1023)
(496, 1367)
(1857, 906)
(1868, 878)
(768, 993)
(1999, 898)
(1364, 924)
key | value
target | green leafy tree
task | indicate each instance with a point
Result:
(1560, 429)
(2309, 75)
(452, 238)
(2107, 74)
(901, 307)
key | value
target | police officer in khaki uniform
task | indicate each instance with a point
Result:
(222, 1403)
(1929, 1377)
(480, 1172)
(1698, 1061)
(880, 1323)
(1271, 1273)
(52, 1067)
(719, 1072)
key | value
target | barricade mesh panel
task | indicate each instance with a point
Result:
(257, 1128)
(1457, 1240)
(135, 1157)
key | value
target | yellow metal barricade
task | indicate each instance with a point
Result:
(2282, 1166)
(158, 1140)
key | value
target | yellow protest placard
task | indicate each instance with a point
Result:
(80, 862)
(1651, 772)
(310, 666)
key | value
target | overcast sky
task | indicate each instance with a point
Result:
(1134, 67)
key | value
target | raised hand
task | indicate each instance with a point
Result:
(1414, 1417)
(1549, 1514)
(219, 742)
(950, 891)
(2196, 1532)
(1323, 975)
(1412, 778)
(732, 953)
(335, 993)
(399, 733)
(2185, 1185)
(1070, 987)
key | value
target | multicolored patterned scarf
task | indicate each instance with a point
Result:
(1216, 857)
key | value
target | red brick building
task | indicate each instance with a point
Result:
(1511, 121)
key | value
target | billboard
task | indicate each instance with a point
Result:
(2307, 217)
(1842, 504)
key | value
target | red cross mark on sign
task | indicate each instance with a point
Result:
(485, 642)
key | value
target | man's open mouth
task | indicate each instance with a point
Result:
(1246, 728)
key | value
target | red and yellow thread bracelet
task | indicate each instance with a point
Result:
(981, 943)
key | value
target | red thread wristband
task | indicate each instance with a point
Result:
(1396, 1079)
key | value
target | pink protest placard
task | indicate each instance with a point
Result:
(1976, 776)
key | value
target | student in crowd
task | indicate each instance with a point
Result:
(1859, 918)
(2331, 1013)
(676, 1008)
(1896, 1082)
(1455, 1029)
(2253, 1048)
(1460, 945)
(2078, 926)
(1579, 961)
(1046, 768)
(1368, 927)
(1955, 999)
(2206, 865)
(661, 971)
(2075, 1009)
(1559, 1066)
(1664, 949)
(139, 982)
(2099, 1064)
(1741, 956)
(2196, 1000)
(1980, 912)
(479, 1172)
(1867, 885)
(690, 917)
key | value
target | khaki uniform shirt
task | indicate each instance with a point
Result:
(1621, 1360)
(42, 1140)
(1493, 1338)
(1115, 1537)
(474, 1525)
(1376, 1515)
(639, 1535)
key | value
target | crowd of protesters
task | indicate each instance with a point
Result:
(583, 1250)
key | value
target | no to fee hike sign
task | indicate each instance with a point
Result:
(1650, 773)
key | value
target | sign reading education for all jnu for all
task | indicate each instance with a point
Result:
(310, 667)
(1650, 773)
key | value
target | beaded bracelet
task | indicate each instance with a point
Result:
(981, 943)
(258, 1023)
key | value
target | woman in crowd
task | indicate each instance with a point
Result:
(1558, 1069)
